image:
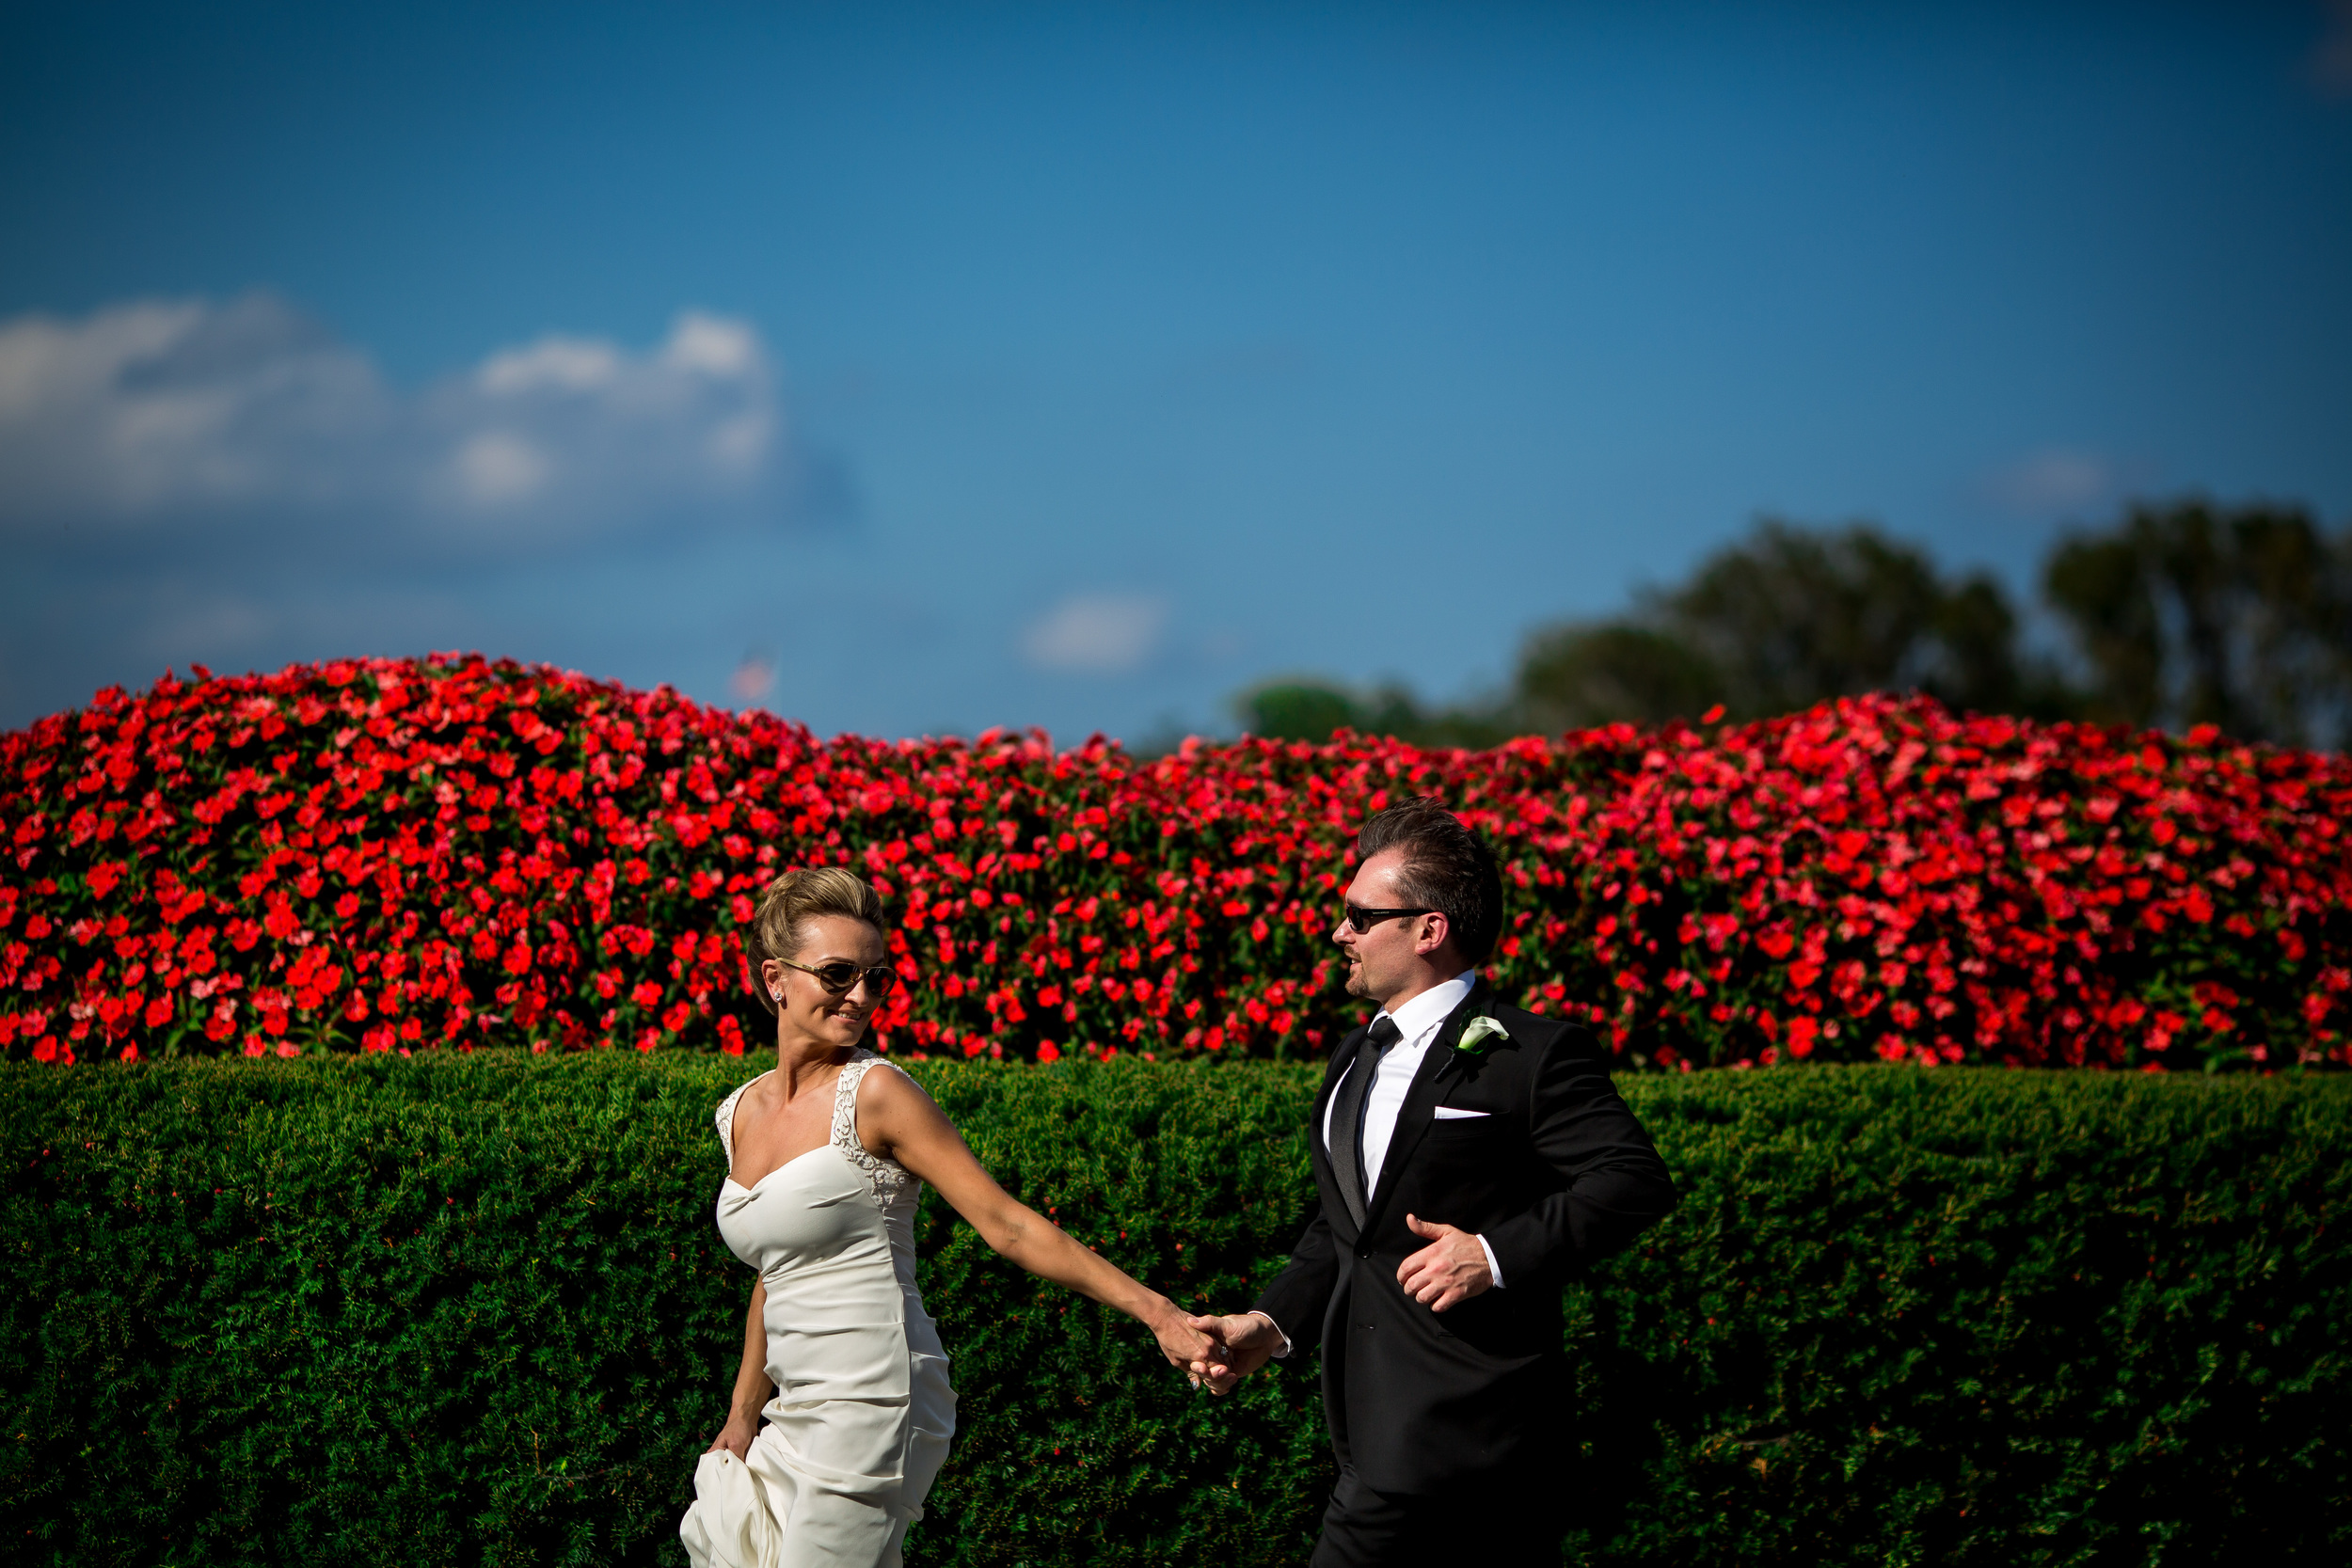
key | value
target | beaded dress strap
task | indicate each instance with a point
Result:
(889, 1177)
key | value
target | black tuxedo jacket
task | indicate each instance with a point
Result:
(1557, 1175)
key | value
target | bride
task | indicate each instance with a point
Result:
(826, 1157)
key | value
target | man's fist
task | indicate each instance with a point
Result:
(1452, 1268)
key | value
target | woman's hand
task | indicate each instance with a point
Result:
(736, 1436)
(751, 1386)
(1245, 1341)
(1183, 1344)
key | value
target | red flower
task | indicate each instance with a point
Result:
(514, 851)
(1803, 1032)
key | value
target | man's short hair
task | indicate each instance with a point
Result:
(1447, 868)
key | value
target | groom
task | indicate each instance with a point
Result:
(1468, 1157)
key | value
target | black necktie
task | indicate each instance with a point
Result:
(1347, 1117)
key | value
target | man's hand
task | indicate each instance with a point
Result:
(1245, 1341)
(1184, 1340)
(1450, 1269)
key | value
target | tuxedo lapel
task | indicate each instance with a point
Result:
(1421, 1101)
(1343, 1062)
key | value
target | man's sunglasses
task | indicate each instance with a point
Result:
(841, 976)
(1362, 921)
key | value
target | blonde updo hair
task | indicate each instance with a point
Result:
(794, 899)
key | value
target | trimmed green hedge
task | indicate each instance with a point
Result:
(474, 1310)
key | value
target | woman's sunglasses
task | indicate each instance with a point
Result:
(1362, 921)
(841, 976)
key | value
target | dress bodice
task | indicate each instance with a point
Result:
(787, 1215)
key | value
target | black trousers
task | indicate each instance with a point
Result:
(1515, 1523)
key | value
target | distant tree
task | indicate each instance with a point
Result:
(2192, 613)
(1779, 621)
(1792, 615)
(1297, 710)
(1311, 709)
(2180, 614)
(1976, 663)
(1584, 673)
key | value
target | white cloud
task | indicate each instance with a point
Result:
(708, 346)
(2054, 480)
(742, 442)
(152, 413)
(1102, 634)
(494, 468)
(562, 364)
(154, 407)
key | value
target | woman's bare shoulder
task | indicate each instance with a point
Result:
(891, 1084)
(901, 1104)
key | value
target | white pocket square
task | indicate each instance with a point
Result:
(1450, 1113)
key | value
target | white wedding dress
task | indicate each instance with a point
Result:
(863, 1412)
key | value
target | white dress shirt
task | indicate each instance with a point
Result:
(1417, 1025)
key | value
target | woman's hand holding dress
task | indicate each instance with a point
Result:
(752, 1388)
(736, 1436)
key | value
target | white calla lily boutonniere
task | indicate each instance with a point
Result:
(1477, 1033)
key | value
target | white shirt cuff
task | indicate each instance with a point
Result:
(1279, 1354)
(1493, 1268)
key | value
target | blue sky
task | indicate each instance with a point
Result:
(917, 370)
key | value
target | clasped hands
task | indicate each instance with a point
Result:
(1450, 1270)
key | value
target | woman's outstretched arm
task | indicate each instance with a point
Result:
(898, 1120)
(752, 1388)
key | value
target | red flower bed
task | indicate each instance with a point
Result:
(394, 855)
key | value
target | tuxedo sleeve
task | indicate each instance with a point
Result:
(1300, 1293)
(1616, 1185)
